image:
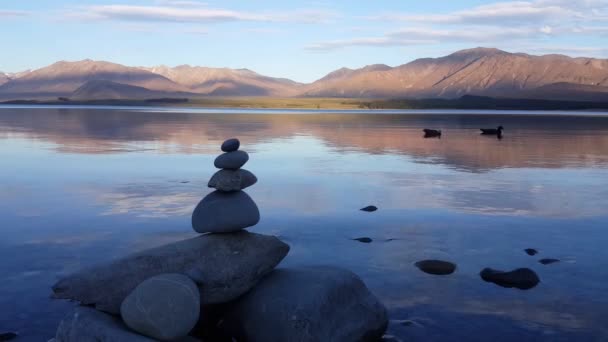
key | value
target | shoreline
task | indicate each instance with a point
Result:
(320, 104)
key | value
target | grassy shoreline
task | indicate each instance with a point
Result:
(465, 102)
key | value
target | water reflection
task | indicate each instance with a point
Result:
(529, 141)
(83, 186)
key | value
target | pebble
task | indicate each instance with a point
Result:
(232, 180)
(521, 278)
(225, 212)
(231, 160)
(436, 267)
(364, 239)
(231, 145)
(7, 336)
(369, 208)
(548, 261)
(531, 251)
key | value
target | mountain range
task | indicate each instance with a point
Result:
(479, 71)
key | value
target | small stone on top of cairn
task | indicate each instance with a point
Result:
(229, 208)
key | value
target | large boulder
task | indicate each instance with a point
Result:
(225, 212)
(165, 307)
(307, 304)
(224, 266)
(89, 325)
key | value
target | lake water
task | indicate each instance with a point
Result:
(84, 185)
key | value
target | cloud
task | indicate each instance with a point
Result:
(422, 35)
(526, 12)
(371, 41)
(10, 13)
(181, 3)
(193, 14)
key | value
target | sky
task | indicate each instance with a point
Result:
(301, 40)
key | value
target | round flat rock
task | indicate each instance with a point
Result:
(231, 145)
(231, 160)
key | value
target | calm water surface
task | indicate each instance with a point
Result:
(84, 185)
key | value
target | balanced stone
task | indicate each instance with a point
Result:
(89, 325)
(307, 304)
(231, 145)
(521, 278)
(224, 266)
(225, 212)
(232, 180)
(164, 307)
(231, 160)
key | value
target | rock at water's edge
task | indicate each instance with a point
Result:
(164, 307)
(231, 160)
(531, 251)
(369, 208)
(521, 278)
(231, 145)
(307, 304)
(436, 267)
(232, 180)
(224, 266)
(89, 325)
(364, 240)
(225, 212)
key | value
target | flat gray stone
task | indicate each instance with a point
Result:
(164, 307)
(231, 145)
(307, 304)
(231, 160)
(89, 325)
(225, 212)
(232, 180)
(224, 266)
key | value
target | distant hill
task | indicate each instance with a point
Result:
(479, 72)
(63, 78)
(3, 78)
(227, 82)
(108, 90)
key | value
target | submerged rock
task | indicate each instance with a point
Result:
(225, 212)
(7, 336)
(231, 160)
(307, 304)
(369, 208)
(164, 307)
(232, 180)
(89, 325)
(364, 239)
(436, 267)
(224, 266)
(531, 251)
(548, 261)
(521, 278)
(231, 145)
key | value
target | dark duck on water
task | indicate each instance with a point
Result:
(431, 133)
(492, 131)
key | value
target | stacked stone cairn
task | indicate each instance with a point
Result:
(220, 285)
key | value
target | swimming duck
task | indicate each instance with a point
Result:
(431, 133)
(492, 131)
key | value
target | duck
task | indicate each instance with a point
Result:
(431, 133)
(492, 131)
